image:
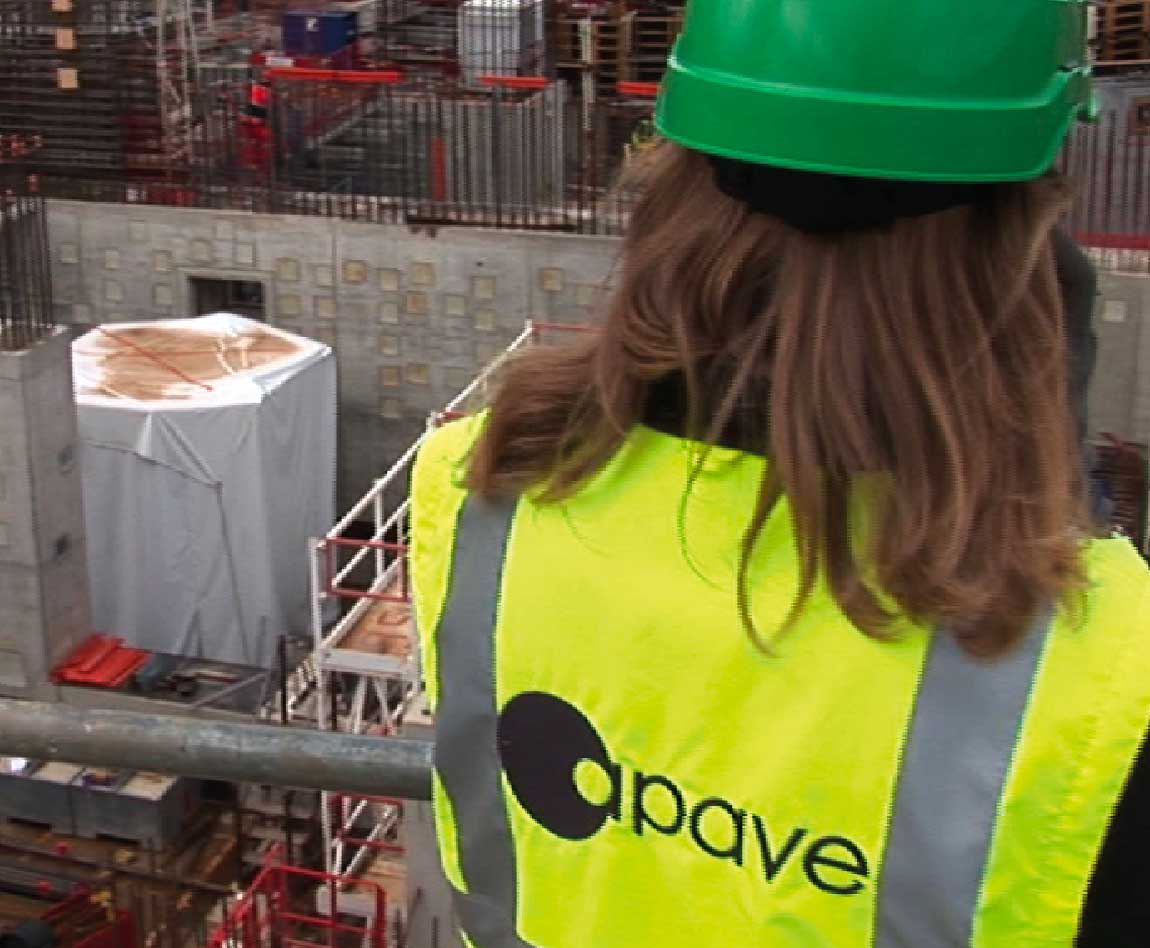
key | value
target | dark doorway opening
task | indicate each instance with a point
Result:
(242, 297)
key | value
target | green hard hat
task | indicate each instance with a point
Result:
(917, 90)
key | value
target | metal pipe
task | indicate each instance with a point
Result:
(244, 753)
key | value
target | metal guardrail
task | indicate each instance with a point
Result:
(242, 753)
(405, 174)
(537, 161)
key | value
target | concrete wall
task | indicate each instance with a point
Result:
(411, 317)
(414, 316)
(43, 567)
(1120, 393)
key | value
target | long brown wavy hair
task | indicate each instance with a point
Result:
(933, 352)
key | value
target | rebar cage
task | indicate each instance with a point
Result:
(25, 277)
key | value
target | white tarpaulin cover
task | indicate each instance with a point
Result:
(208, 450)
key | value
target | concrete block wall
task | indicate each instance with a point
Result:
(1120, 392)
(412, 317)
(43, 570)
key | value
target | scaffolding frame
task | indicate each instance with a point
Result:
(265, 914)
(380, 688)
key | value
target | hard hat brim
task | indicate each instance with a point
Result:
(869, 136)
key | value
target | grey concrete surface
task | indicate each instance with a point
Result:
(1120, 391)
(43, 573)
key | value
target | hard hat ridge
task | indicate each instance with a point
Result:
(911, 90)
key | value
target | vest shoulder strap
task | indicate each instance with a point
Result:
(1088, 715)
(437, 496)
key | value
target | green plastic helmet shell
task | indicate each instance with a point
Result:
(919, 90)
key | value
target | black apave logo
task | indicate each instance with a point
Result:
(544, 741)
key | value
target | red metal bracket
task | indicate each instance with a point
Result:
(521, 83)
(639, 90)
(331, 544)
(264, 914)
(387, 77)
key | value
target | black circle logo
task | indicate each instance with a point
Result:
(542, 740)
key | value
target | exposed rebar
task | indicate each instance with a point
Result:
(25, 280)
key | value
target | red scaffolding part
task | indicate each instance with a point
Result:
(354, 77)
(331, 571)
(270, 912)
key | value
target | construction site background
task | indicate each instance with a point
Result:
(329, 167)
(505, 113)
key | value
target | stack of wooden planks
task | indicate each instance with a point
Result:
(1123, 31)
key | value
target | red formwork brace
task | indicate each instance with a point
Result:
(331, 544)
(265, 914)
(639, 90)
(353, 77)
(517, 83)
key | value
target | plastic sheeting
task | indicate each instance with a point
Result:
(208, 451)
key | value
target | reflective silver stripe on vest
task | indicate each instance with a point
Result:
(965, 727)
(962, 736)
(466, 752)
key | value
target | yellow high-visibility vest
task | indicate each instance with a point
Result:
(619, 767)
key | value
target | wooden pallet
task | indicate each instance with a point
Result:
(652, 39)
(597, 48)
(1123, 30)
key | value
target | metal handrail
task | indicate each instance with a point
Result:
(243, 753)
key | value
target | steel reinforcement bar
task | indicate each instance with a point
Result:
(243, 753)
(25, 278)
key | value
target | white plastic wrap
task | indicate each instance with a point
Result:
(208, 451)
